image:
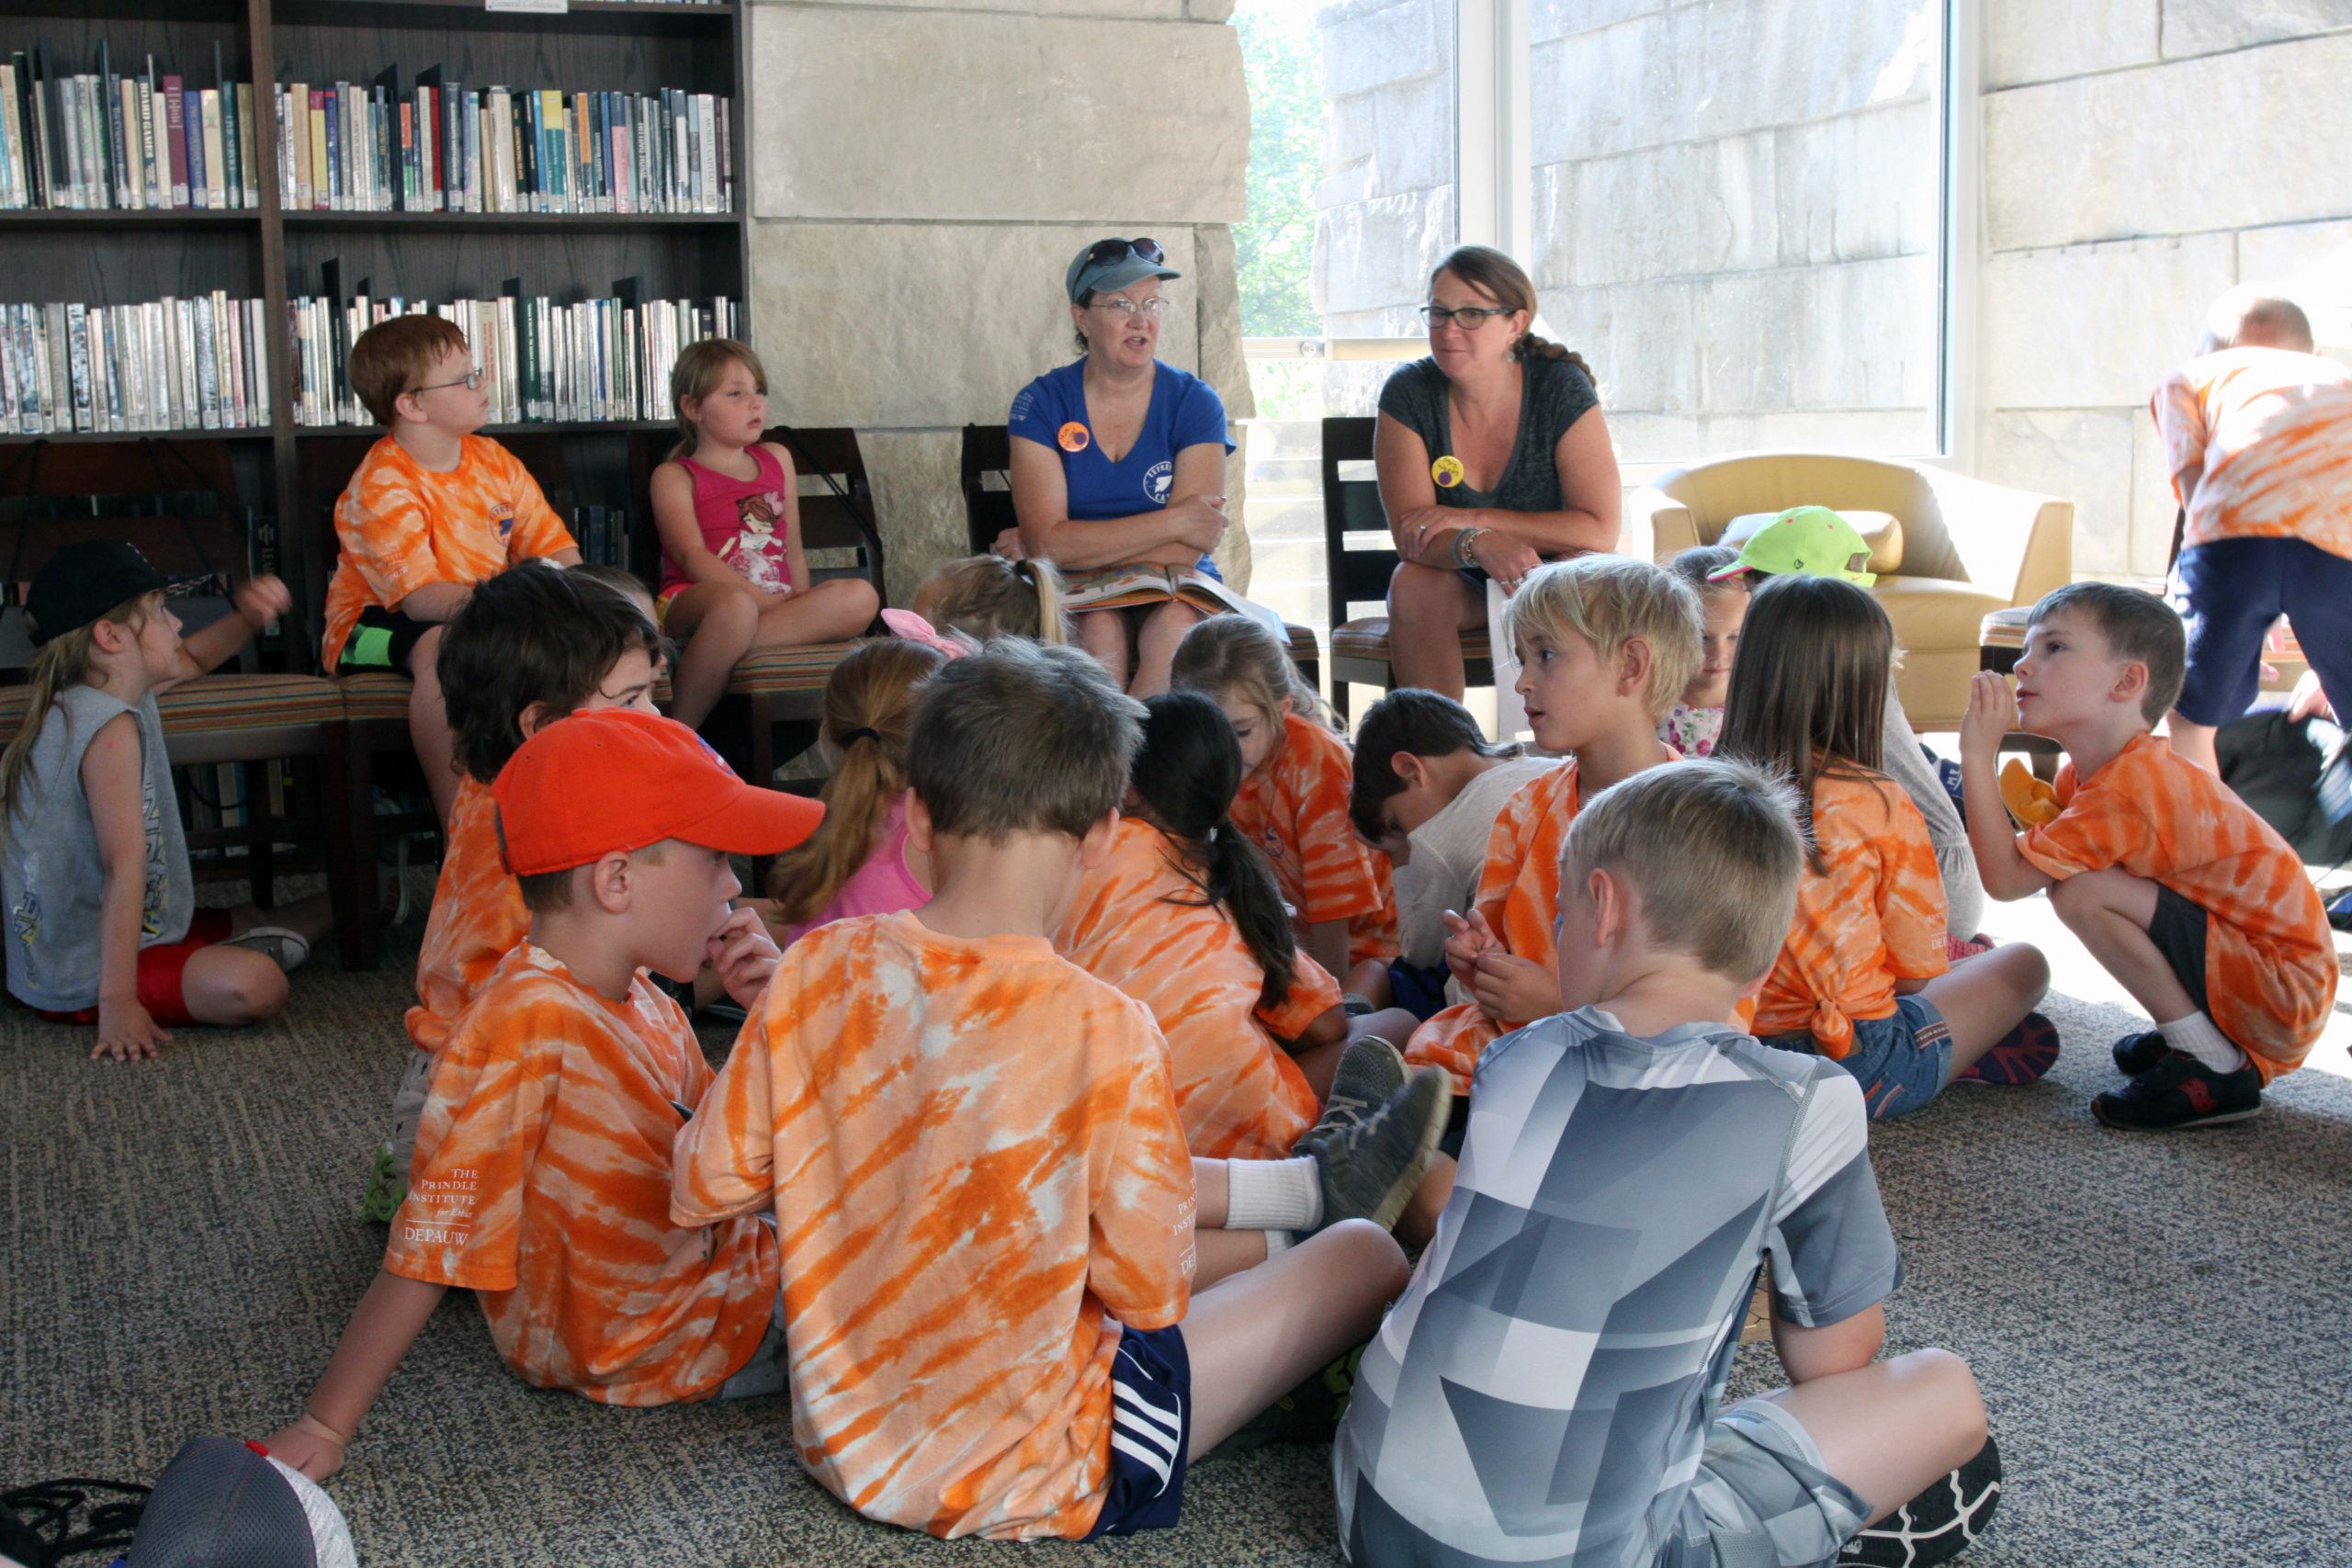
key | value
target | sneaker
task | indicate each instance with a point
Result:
(2022, 1055)
(1371, 1164)
(2135, 1054)
(287, 949)
(2178, 1092)
(1370, 1071)
(1937, 1525)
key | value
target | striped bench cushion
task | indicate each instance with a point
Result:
(217, 704)
(375, 696)
(1367, 637)
(777, 669)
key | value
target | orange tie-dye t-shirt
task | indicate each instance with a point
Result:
(1518, 892)
(978, 1174)
(477, 919)
(1295, 809)
(1138, 922)
(1874, 917)
(2269, 431)
(2270, 967)
(542, 1184)
(402, 528)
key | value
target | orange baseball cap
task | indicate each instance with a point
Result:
(617, 779)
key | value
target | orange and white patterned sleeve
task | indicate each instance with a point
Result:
(723, 1163)
(1140, 1256)
(537, 530)
(1340, 881)
(2180, 424)
(460, 1223)
(1912, 909)
(2084, 837)
(387, 534)
(1512, 829)
(1313, 993)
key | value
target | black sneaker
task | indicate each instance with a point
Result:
(2180, 1092)
(1370, 1072)
(1937, 1525)
(2135, 1054)
(1371, 1164)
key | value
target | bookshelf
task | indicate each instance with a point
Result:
(278, 251)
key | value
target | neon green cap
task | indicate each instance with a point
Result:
(1806, 541)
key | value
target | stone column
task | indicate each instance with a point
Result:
(923, 172)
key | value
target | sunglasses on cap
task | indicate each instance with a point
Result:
(1105, 252)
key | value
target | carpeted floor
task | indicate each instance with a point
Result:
(2160, 1325)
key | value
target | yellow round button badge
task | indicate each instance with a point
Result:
(1446, 471)
(1075, 437)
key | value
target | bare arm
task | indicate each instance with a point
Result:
(1809, 1353)
(438, 601)
(1176, 535)
(259, 602)
(2184, 483)
(1992, 709)
(1424, 531)
(1326, 942)
(112, 773)
(390, 1317)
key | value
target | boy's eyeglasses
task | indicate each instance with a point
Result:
(1105, 252)
(472, 382)
(1154, 306)
(1469, 318)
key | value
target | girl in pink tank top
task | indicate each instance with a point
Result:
(734, 573)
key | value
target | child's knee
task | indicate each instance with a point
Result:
(858, 597)
(1947, 1387)
(1362, 1252)
(2027, 969)
(424, 659)
(732, 616)
(240, 986)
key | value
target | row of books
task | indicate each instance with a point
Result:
(603, 534)
(171, 364)
(99, 140)
(449, 148)
(541, 362)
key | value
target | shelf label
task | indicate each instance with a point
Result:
(545, 8)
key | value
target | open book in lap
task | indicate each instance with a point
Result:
(1123, 586)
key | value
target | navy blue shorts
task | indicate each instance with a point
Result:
(1151, 1426)
(2178, 928)
(1420, 992)
(2228, 593)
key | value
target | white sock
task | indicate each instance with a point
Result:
(2195, 1035)
(1272, 1195)
(1279, 1241)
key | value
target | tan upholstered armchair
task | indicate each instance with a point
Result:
(1959, 547)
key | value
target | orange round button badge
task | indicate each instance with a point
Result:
(1075, 437)
(1446, 471)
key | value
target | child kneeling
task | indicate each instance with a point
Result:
(977, 1170)
(1547, 1389)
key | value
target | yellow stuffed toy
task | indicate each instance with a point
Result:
(2030, 801)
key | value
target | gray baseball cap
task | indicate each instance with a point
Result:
(1108, 265)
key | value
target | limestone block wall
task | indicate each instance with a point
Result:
(2140, 157)
(921, 171)
(1387, 203)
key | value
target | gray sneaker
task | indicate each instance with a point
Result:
(1372, 1164)
(1369, 1072)
(287, 949)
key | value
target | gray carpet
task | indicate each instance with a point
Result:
(2160, 1325)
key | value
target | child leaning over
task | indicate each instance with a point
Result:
(431, 510)
(2194, 904)
(988, 1247)
(542, 1173)
(94, 869)
(532, 645)
(1548, 1388)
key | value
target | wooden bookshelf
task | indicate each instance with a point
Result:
(276, 254)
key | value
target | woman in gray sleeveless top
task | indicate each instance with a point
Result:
(1493, 457)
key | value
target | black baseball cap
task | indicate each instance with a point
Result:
(83, 582)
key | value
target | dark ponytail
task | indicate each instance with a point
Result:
(1186, 773)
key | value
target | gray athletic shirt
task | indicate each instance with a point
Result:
(1555, 395)
(52, 878)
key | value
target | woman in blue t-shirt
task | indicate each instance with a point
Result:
(1493, 459)
(1119, 460)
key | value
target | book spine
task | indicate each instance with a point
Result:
(228, 173)
(337, 187)
(77, 350)
(176, 136)
(248, 154)
(321, 177)
(207, 367)
(120, 149)
(257, 360)
(153, 181)
(706, 124)
(231, 356)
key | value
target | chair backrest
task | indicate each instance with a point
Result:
(1358, 553)
(987, 509)
(1717, 491)
(836, 499)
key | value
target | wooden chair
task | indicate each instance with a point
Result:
(244, 717)
(1358, 557)
(987, 511)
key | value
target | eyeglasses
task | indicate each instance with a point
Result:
(1469, 318)
(1105, 252)
(470, 382)
(1153, 308)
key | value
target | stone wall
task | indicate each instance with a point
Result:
(1385, 206)
(2140, 157)
(922, 173)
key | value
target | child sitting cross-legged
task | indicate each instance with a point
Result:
(2191, 901)
(102, 924)
(543, 1163)
(979, 1172)
(1864, 977)
(1605, 644)
(532, 645)
(1549, 1387)
(1427, 789)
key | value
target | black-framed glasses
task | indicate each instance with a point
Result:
(471, 381)
(1105, 252)
(1469, 318)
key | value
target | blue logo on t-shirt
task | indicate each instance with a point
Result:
(1157, 481)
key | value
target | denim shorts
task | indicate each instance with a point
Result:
(1901, 1060)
